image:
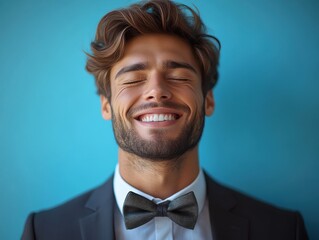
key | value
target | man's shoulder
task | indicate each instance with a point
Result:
(264, 218)
(80, 201)
(237, 200)
(75, 205)
(63, 219)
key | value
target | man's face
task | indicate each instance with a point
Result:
(157, 104)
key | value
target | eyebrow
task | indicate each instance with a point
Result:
(131, 68)
(174, 65)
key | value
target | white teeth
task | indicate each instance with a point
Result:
(161, 117)
(158, 117)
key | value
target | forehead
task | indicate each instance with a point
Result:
(155, 49)
(153, 42)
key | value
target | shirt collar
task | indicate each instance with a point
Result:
(121, 189)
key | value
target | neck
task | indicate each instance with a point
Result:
(157, 178)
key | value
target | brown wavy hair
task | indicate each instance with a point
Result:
(116, 28)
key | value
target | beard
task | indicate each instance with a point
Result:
(160, 148)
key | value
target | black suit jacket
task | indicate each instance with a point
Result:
(233, 216)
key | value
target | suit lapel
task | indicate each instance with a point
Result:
(99, 224)
(224, 224)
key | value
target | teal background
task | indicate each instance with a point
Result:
(262, 139)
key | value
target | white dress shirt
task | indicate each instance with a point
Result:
(162, 228)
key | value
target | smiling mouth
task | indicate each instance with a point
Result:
(158, 117)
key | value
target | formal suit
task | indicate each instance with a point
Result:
(233, 216)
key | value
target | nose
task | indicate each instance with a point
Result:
(157, 88)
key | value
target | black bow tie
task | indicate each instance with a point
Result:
(139, 210)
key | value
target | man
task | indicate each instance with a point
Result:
(155, 68)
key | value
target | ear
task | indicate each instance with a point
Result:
(209, 103)
(105, 108)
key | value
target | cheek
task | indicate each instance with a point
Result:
(193, 98)
(123, 100)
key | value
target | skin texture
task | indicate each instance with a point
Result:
(157, 76)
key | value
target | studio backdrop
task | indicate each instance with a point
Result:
(263, 138)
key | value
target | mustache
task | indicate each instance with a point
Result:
(145, 106)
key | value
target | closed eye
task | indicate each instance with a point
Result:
(131, 82)
(178, 79)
